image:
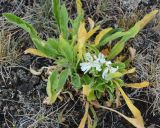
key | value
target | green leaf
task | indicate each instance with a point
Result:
(98, 94)
(66, 50)
(76, 22)
(111, 95)
(21, 23)
(86, 79)
(25, 25)
(117, 49)
(92, 49)
(51, 85)
(131, 33)
(53, 43)
(53, 80)
(79, 7)
(61, 62)
(46, 48)
(115, 75)
(91, 96)
(100, 87)
(64, 21)
(110, 86)
(119, 65)
(55, 84)
(61, 16)
(56, 10)
(76, 81)
(63, 78)
(120, 82)
(111, 38)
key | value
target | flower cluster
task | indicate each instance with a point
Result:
(99, 63)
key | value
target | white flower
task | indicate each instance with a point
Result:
(85, 67)
(91, 63)
(97, 65)
(105, 72)
(113, 70)
(101, 58)
(108, 63)
(108, 70)
(88, 57)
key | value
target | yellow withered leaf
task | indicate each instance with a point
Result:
(83, 121)
(83, 36)
(79, 7)
(82, 33)
(34, 52)
(132, 70)
(101, 34)
(134, 121)
(86, 90)
(137, 121)
(138, 85)
(146, 19)
(92, 31)
(91, 23)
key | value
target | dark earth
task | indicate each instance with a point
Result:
(22, 93)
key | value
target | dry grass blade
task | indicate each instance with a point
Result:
(84, 119)
(89, 122)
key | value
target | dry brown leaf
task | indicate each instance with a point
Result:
(89, 122)
(91, 23)
(37, 73)
(132, 53)
(117, 100)
(105, 52)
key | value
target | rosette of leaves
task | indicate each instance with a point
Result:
(68, 51)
